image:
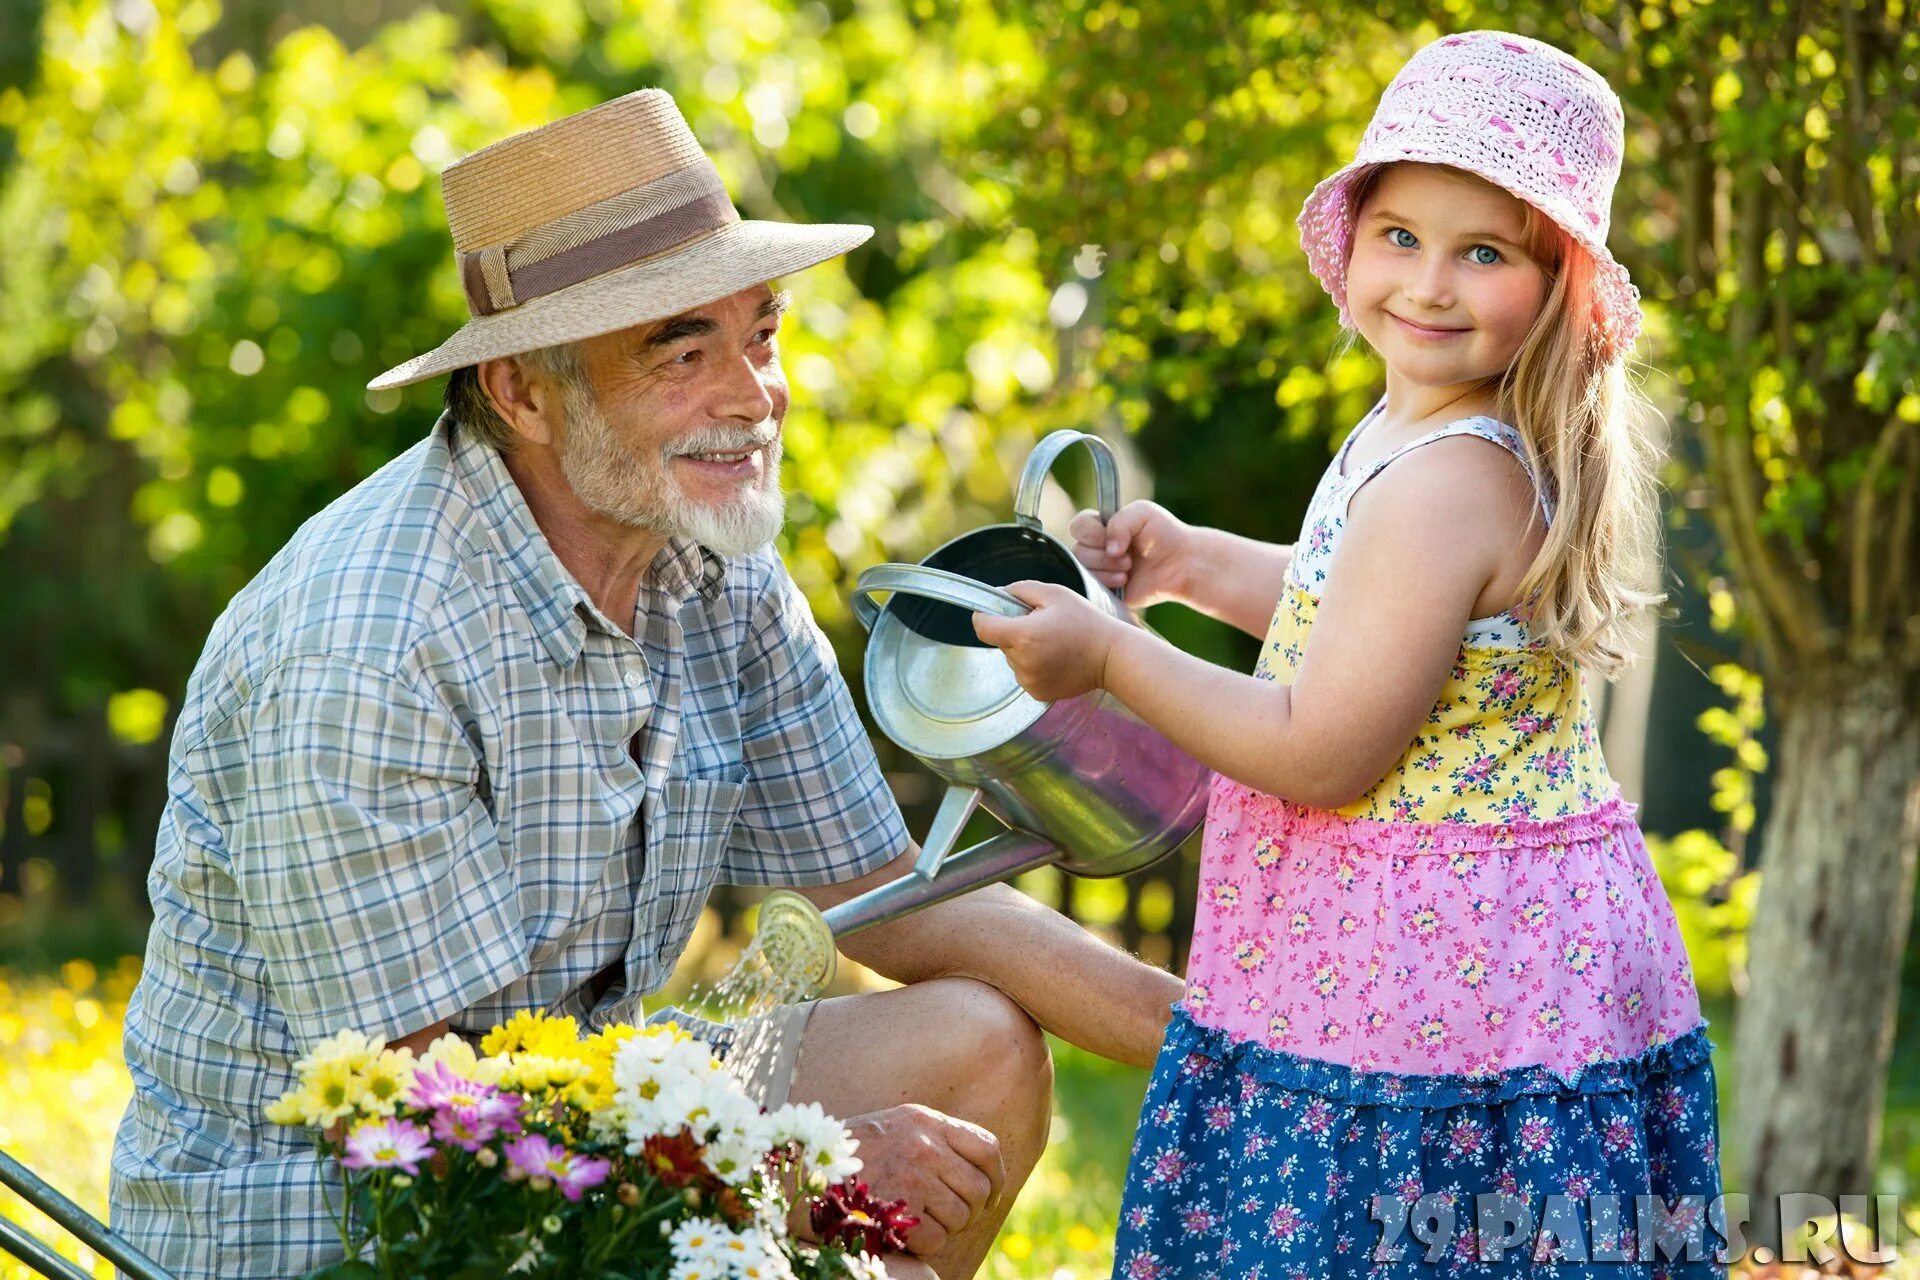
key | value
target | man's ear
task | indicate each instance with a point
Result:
(531, 409)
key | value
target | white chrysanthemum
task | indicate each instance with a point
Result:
(860, 1266)
(826, 1147)
(663, 1085)
(699, 1240)
(753, 1254)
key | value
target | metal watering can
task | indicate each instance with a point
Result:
(1083, 783)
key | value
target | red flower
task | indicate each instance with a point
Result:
(850, 1216)
(674, 1161)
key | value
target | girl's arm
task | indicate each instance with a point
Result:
(1422, 541)
(1237, 580)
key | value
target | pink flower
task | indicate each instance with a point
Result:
(387, 1144)
(539, 1157)
(439, 1086)
(472, 1127)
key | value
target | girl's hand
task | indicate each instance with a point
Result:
(1142, 550)
(1060, 649)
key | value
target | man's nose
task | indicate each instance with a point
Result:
(744, 395)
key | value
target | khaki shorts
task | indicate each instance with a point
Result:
(761, 1052)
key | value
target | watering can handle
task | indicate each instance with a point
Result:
(934, 584)
(1033, 476)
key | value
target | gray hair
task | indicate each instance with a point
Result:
(466, 400)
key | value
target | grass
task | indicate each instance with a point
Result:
(63, 1087)
(1062, 1227)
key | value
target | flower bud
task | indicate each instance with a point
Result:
(402, 1180)
(551, 1224)
(540, 1182)
(628, 1194)
(486, 1157)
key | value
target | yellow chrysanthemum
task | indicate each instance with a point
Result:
(335, 1090)
(352, 1049)
(387, 1078)
(462, 1061)
(290, 1109)
(530, 1031)
(531, 1072)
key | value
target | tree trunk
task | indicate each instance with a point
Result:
(1815, 1035)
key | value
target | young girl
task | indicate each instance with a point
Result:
(1437, 1011)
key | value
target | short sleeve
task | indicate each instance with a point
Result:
(369, 867)
(817, 809)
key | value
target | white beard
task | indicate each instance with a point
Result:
(620, 484)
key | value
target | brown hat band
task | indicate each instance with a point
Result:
(635, 224)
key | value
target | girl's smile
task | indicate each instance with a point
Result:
(1425, 333)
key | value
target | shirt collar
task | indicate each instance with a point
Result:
(684, 569)
(559, 606)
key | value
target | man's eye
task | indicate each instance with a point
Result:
(687, 357)
(1488, 249)
(766, 336)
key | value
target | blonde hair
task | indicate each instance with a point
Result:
(1580, 420)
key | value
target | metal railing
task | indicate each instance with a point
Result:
(95, 1234)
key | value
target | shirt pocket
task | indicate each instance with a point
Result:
(692, 820)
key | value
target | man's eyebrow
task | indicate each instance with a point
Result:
(1387, 215)
(775, 305)
(679, 329)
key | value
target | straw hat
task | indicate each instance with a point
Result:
(606, 219)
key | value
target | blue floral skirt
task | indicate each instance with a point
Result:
(1255, 1163)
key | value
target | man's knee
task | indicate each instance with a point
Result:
(997, 1045)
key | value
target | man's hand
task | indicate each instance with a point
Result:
(945, 1169)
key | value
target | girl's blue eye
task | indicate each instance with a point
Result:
(1484, 248)
(1400, 231)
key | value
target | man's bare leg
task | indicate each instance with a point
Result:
(952, 1044)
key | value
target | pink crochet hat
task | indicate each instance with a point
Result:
(1517, 112)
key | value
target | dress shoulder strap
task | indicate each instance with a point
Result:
(1491, 429)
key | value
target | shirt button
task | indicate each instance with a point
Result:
(633, 679)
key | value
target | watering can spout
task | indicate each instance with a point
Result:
(799, 939)
(999, 857)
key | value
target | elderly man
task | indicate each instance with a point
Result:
(486, 732)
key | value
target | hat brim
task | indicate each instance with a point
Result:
(738, 256)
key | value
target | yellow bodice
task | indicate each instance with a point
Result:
(1510, 738)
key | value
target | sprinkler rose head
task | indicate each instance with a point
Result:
(795, 943)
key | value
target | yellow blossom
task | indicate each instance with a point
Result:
(387, 1079)
(530, 1031)
(353, 1049)
(290, 1108)
(335, 1090)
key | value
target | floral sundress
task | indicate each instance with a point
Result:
(1465, 992)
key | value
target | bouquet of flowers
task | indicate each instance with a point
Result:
(626, 1155)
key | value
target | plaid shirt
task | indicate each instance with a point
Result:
(418, 775)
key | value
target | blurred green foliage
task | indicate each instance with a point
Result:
(221, 222)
